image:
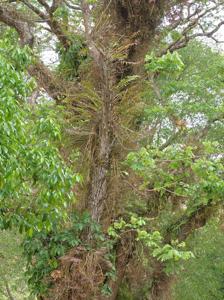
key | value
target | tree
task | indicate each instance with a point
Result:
(118, 74)
(203, 276)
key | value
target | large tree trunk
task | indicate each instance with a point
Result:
(100, 165)
(161, 283)
(136, 21)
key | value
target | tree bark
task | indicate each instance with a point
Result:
(100, 166)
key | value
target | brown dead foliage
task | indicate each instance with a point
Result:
(80, 276)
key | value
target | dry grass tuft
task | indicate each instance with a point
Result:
(80, 276)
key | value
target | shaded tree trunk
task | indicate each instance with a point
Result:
(100, 165)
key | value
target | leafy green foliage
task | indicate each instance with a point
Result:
(178, 172)
(181, 165)
(179, 169)
(43, 249)
(191, 97)
(35, 185)
(202, 278)
(169, 63)
(61, 12)
(71, 59)
(168, 253)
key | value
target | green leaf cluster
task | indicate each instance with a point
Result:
(167, 253)
(35, 184)
(43, 248)
(202, 278)
(72, 58)
(168, 63)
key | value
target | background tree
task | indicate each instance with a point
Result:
(124, 90)
(202, 278)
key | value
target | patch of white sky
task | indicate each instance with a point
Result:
(49, 54)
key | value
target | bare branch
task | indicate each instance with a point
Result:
(57, 30)
(86, 17)
(35, 9)
(55, 5)
(208, 34)
(191, 22)
(50, 20)
(72, 6)
(184, 133)
(44, 3)
(95, 51)
(47, 80)
(13, 19)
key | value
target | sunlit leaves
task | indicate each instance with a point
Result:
(35, 184)
(202, 277)
(170, 62)
(168, 253)
(181, 173)
(194, 95)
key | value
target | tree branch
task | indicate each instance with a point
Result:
(46, 80)
(193, 21)
(55, 5)
(184, 226)
(72, 6)
(35, 9)
(50, 20)
(42, 74)
(13, 19)
(95, 52)
(44, 3)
